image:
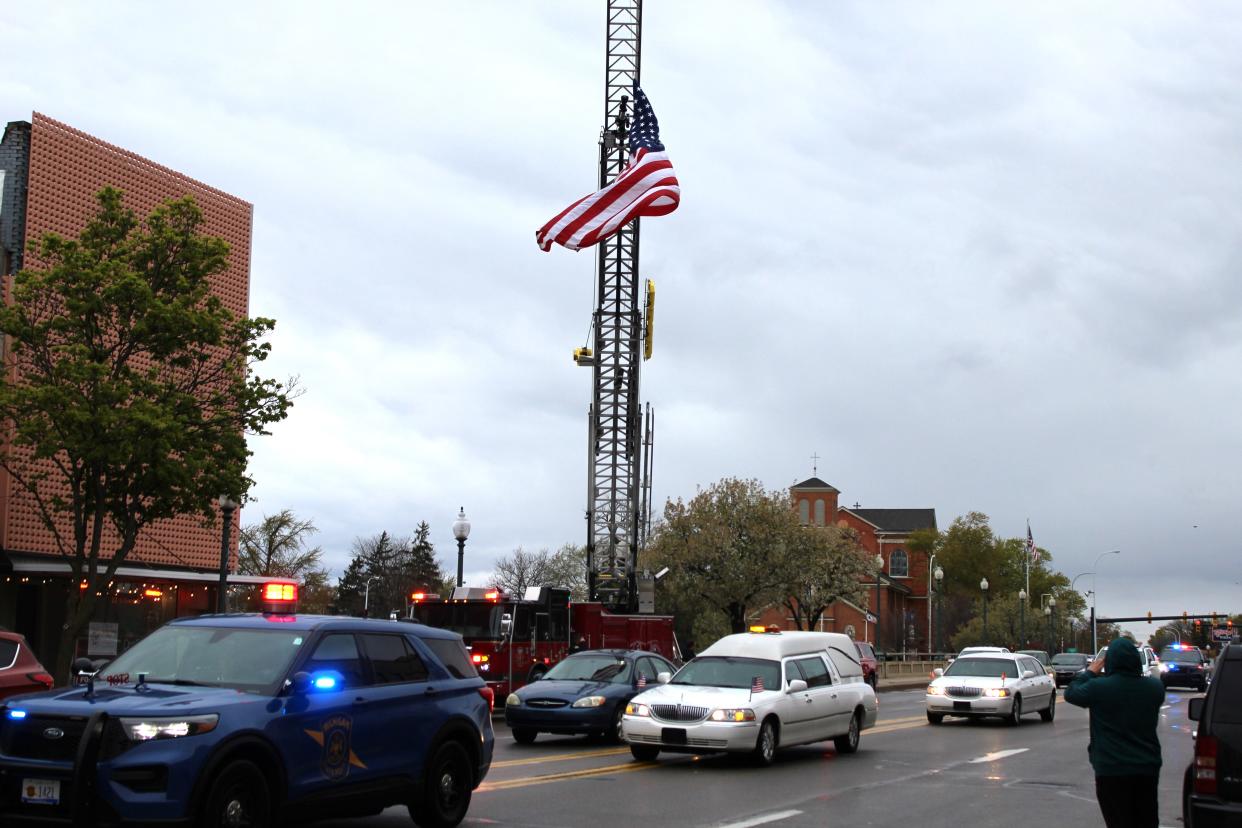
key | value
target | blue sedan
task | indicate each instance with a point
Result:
(585, 693)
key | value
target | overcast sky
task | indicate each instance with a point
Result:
(976, 256)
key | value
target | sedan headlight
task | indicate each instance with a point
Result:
(934, 690)
(633, 709)
(996, 692)
(514, 699)
(590, 701)
(741, 714)
(167, 727)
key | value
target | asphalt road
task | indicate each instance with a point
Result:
(907, 772)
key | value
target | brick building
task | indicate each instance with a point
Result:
(49, 176)
(904, 582)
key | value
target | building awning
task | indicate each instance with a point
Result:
(19, 564)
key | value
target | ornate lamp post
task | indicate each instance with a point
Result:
(983, 585)
(461, 531)
(1052, 622)
(939, 576)
(879, 570)
(1022, 617)
(227, 507)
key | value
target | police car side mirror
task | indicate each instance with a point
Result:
(663, 678)
(300, 683)
(1195, 711)
(796, 686)
(83, 666)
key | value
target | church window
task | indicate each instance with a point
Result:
(899, 564)
(819, 513)
(804, 511)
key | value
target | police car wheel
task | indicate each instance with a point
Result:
(238, 798)
(446, 788)
(524, 735)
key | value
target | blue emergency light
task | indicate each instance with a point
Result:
(327, 680)
(17, 714)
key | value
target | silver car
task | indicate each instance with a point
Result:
(755, 692)
(1008, 685)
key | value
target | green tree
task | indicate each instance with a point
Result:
(422, 568)
(829, 564)
(728, 548)
(133, 390)
(351, 587)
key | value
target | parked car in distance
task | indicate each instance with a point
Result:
(1066, 665)
(1185, 666)
(1007, 685)
(1212, 784)
(20, 671)
(870, 664)
(585, 693)
(754, 692)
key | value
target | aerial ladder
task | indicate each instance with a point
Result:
(620, 430)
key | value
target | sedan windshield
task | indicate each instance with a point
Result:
(725, 671)
(591, 668)
(251, 660)
(982, 668)
(1181, 656)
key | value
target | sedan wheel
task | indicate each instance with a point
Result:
(935, 718)
(849, 742)
(1047, 715)
(1015, 715)
(765, 745)
(615, 731)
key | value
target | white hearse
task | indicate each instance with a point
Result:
(752, 693)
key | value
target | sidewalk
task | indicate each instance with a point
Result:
(901, 683)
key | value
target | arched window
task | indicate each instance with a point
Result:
(819, 513)
(804, 511)
(899, 564)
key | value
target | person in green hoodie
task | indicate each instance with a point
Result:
(1124, 748)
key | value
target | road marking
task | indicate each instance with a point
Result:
(559, 757)
(525, 781)
(761, 820)
(999, 754)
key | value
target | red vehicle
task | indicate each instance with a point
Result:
(20, 671)
(514, 641)
(866, 655)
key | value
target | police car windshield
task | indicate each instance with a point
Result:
(254, 661)
(726, 671)
(1181, 656)
(591, 668)
(982, 668)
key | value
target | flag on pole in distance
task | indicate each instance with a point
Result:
(1031, 550)
(646, 187)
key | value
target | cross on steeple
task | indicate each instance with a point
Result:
(814, 465)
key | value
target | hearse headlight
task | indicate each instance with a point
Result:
(739, 714)
(634, 709)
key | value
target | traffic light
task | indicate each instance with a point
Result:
(1197, 622)
(1213, 619)
(1149, 616)
(1183, 616)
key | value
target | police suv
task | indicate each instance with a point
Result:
(254, 719)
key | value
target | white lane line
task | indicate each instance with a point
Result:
(761, 820)
(1000, 754)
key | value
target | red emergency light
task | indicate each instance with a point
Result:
(494, 595)
(153, 593)
(280, 592)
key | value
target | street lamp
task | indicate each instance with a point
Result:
(1022, 616)
(227, 507)
(461, 531)
(366, 597)
(879, 571)
(1052, 622)
(939, 576)
(983, 585)
(1095, 644)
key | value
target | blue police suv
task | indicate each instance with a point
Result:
(254, 720)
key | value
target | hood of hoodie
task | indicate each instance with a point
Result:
(1123, 658)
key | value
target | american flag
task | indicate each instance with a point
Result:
(646, 187)
(1031, 549)
(642, 679)
(756, 684)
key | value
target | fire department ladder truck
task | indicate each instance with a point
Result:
(619, 432)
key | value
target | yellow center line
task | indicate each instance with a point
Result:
(559, 757)
(561, 777)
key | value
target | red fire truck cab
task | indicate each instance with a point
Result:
(514, 641)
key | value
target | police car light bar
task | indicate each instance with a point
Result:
(280, 592)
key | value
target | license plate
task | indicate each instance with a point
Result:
(959, 705)
(673, 736)
(41, 791)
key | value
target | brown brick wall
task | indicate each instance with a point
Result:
(67, 168)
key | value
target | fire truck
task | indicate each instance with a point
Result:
(514, 641)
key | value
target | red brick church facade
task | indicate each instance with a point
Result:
(904, 619)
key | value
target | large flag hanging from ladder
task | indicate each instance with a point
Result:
(646, 187)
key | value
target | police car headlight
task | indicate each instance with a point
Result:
(171, 727)
(633, 709)
(514, 700)
(590, 701)
(742, 714)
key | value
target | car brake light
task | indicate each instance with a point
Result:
(1205, 765)
(42, 678)
(490, 695)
